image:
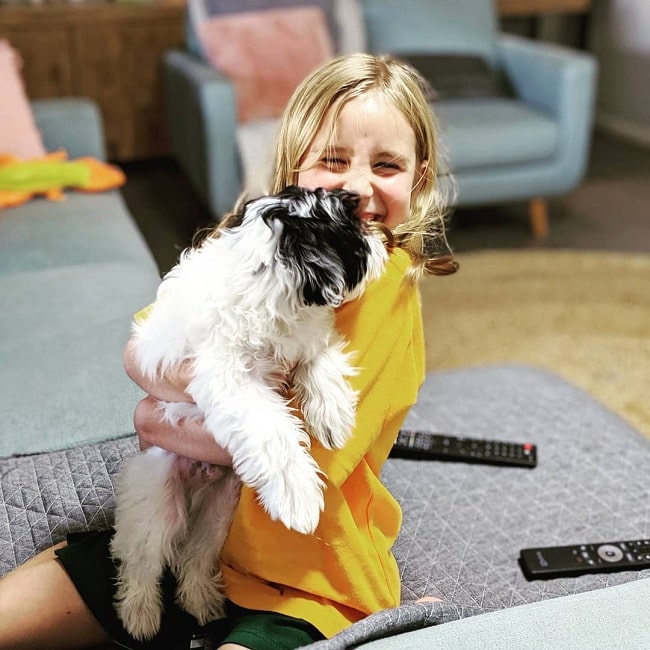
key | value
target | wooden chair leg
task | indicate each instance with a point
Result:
(538, 214)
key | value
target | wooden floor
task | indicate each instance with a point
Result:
(609, 211)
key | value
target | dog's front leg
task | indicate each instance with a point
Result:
(149, 520)
(268, 445)
(213, 497)
(327, 399)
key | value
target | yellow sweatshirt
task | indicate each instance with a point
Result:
(345, 570)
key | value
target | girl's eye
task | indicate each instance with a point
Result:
(334, 163)
(387, 165)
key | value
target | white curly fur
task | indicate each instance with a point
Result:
(237, 308)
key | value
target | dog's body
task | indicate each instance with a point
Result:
(252, 310)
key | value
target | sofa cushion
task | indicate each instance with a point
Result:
(45, 496)
(616, 617)
(18, 132)
(463, 524)
(62, 336)
(488, 132)
(83, 229)
(71, 123)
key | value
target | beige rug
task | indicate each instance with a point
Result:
(583, 315)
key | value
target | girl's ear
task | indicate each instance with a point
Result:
(420, 174)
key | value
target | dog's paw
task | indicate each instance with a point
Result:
(330, 418)
(335, 430)
(202, 598)
(175, 412)
(294, 495)
(139, 611)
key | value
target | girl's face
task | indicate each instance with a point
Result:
(371, 152)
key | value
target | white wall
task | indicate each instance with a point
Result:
(620, 38)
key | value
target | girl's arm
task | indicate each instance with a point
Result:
(171, 387)
(189, 437)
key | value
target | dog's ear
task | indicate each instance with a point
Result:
(321, 278)
(322, 287)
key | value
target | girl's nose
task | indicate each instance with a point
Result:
(358, 181)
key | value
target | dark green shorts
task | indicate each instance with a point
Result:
(88, 563)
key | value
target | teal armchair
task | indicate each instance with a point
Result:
(527, 144)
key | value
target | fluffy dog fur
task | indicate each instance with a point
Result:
(249, 308)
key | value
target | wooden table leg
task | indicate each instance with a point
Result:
(538, 213)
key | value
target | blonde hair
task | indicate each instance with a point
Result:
(323, 94)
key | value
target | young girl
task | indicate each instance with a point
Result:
(360, 123)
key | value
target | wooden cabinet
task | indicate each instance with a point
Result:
(110, 52)
(541, 7)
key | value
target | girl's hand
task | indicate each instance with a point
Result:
(188, 438)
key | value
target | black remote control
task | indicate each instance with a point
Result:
(423, 445)
(564, 561)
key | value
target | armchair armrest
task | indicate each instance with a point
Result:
(560, 82)
(202, 123)
(71, 123)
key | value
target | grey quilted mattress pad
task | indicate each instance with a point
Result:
(464, 524)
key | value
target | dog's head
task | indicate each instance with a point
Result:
(317, 242)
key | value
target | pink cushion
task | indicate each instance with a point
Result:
(18, 132)
(266, 54)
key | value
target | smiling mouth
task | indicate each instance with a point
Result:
(371, 216)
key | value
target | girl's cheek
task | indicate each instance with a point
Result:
(313, 179)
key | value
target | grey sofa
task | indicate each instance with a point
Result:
(71, 276)
(527, 144)
(463, 524)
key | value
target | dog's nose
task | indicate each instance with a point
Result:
(350, 199)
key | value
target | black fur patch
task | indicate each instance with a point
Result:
(322, 240)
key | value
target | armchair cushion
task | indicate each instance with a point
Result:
(494, 131)
(457, 75)
(266, 54)
(412, 26)
(517, 135)
(202, 10)
(344, 19)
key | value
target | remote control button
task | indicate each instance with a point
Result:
(610, 553)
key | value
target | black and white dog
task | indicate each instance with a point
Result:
(252, 311)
